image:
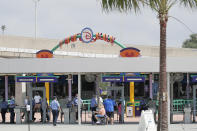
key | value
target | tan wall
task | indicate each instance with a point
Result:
(100, 47)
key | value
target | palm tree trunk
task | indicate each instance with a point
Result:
(163, 103)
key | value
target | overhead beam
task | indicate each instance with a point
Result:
(81, 65)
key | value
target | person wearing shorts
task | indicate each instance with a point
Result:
(109, 108)
(100, 113)
(110, 114)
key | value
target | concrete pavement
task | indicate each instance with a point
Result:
(89, 127)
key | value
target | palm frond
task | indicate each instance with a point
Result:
(189, 3)
(121, 5)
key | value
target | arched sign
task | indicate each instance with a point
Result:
(130, 52)
(87, 36)
(44, 54)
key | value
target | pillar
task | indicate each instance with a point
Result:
(132, 92)
(20, 92)
(6, 88)
(123, 104)
(171, 98)
(79, 99)
(132, 96)
(168, 97)
(188, 88)
(47, 91)
(151, 85)
(97, 89)
(51, 87)
(70, 87)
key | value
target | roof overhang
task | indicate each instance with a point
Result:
(96, 65)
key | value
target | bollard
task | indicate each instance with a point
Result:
(187, 115)
(17, 111)
(66, 115)
(73, 115)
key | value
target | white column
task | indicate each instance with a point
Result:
(23, 92)
(20, 92)
(79, 99)
(168, 97)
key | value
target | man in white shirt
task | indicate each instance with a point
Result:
(37, 98)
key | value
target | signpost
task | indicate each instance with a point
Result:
(112, 79)
(28, 113)
(194, 78)
(46, 79)
(123, 79)
(35, 79)
(134, 79)
(26, 79)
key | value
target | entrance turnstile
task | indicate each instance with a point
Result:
(44, 102)
(119, 88)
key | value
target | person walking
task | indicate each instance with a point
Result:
(93, 107)
(4, 107)
(55, 106)
(109, 108)
(120, 112)
(11, 109)
(93, 104)
(26, 102)
(41, 111)
(75, 104)
(37, 106)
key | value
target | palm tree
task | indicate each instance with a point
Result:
(3, 27)
(161, 7)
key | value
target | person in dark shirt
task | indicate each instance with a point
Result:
(93, 106)
(4, 107)
(47, 108)
(75, 105)
(11, 109)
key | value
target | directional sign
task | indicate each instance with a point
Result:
(25, 79)
(134, 79)
(123, 79)
(35, 79)
(194, 78)
(112, 79)
(46, 79)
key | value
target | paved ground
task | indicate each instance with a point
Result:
(131, 125)
(88, 127)
(87, 118)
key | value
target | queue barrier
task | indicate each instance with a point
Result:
(179, 104)
(87, 103)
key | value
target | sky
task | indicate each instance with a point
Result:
(58, 19)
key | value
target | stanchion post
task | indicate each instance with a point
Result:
(28, 114)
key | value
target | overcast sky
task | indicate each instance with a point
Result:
(61, 18)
